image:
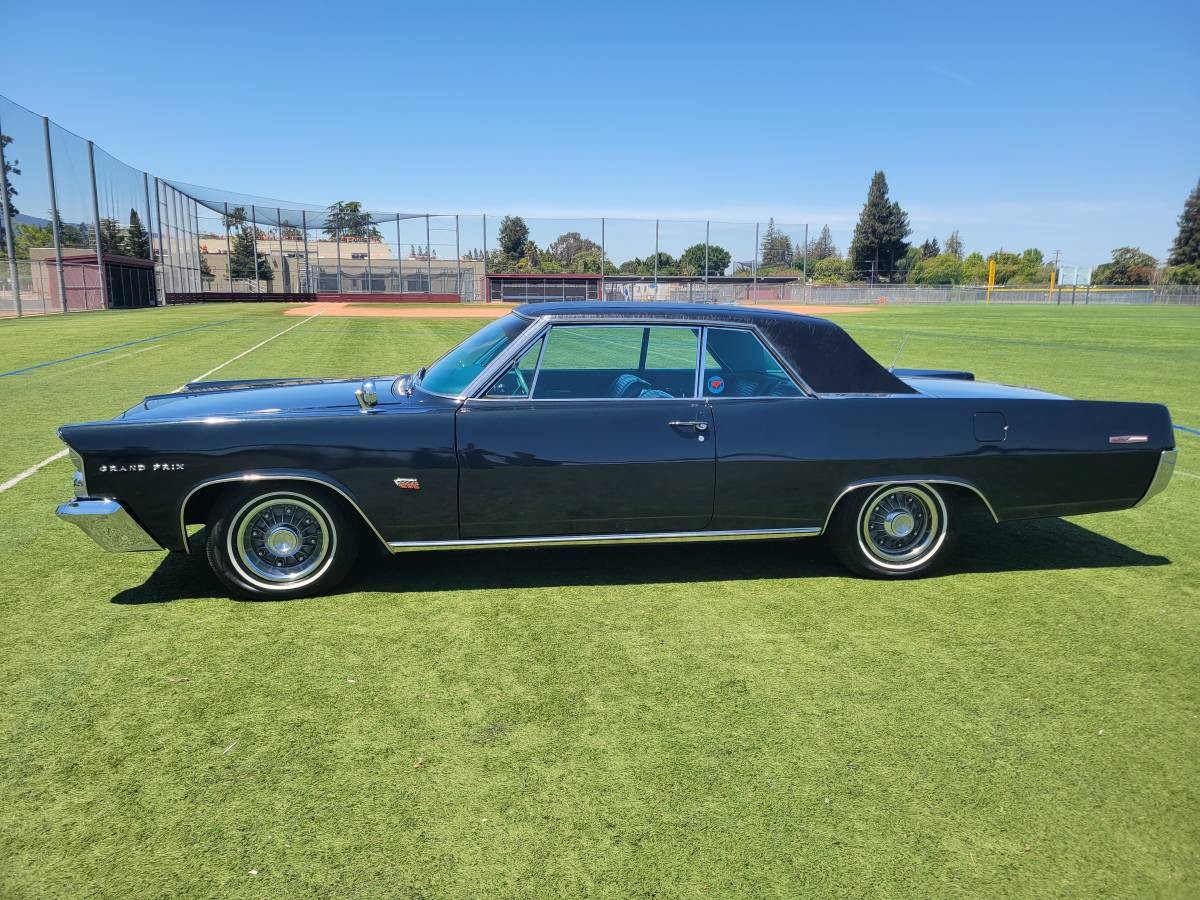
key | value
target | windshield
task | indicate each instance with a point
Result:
(451, 374)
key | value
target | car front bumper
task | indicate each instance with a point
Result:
(1162, 476)
(108, 524)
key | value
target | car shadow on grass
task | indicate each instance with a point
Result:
(1043, 544)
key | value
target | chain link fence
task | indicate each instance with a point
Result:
(82, 230)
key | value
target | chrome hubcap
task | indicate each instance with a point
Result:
(282, 540)
(901, 525)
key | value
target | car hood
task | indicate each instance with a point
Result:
(265, 396)
(987, 390)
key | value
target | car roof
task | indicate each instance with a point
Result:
(691, 312)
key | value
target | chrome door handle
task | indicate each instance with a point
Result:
(699, 426)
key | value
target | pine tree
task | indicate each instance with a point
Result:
(954, 245)
(776, 247)
(930, 249)
(1186, 249)
(137, 239)
(878, 243)
(11, 167)
(823, 247)
(241, 264)
(112, 239)
(513, 235)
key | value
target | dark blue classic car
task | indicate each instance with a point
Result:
(566, 423)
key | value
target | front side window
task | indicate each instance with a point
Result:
(613, 362)
(736, 364)
(451, 374)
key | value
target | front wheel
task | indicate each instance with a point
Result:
(280, 543)
(894, 531)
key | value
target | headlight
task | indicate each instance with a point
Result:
(80, 480)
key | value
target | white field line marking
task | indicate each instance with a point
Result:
(33, 470)
(1187, 474)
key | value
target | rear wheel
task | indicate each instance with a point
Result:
(280, 543)
(894, 531)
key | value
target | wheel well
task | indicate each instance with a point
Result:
(966, 499)
(198, 506)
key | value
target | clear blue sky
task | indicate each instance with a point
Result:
(1072, 126)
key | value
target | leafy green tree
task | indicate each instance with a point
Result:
(905, 266)
(878, 243)
(776, 247)
(205, 272)
(945, 268)
(930, 249)
(1129, 266)
(1185, 251)
(565, 247)
(112, 238)
(829, 270)
(823, 247)
(137, 239)
(1182, 274)
(235, 218)
(29, 236)
(11, 167)
(692, 260)
(514, 234)
(974, 269)
(954, 245)
(241, 263)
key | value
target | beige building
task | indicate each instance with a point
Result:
(346, 267)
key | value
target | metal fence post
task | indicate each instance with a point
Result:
(804, 287)
(706, 227)
(486, 287)
(656, 259)
(8, 231)
(254, 244)
(96, 220)
(228, 249)
(337, 232)
(603, 257)
(196, 244)
(307, 271)
(282, 264)
(161, 266)
(458, 257)
(428, 259)
(62, 282)
(754, 270)
(400, 257)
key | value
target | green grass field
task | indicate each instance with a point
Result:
(739, 720)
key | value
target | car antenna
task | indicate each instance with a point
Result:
(899, 350)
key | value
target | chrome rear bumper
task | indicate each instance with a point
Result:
(108, 524)
(1162, 476)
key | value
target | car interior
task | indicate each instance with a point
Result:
(582, 362)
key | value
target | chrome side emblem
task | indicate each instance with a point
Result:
(1128, 439)
(407, 484)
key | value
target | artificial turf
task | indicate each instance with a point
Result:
(689, 720)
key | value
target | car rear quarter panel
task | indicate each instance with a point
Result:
(786, 461)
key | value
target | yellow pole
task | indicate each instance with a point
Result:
(1050, 293)
(991, 279)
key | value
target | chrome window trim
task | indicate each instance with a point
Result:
(252, 477)
(478, 387)
(797, 382)
(923, 480)
(645, 537)
(1162, 475)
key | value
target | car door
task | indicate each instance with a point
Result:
(596, 429)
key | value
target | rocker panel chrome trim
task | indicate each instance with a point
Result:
(661, 537)
(252, 477)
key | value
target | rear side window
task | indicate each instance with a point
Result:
(736, 364)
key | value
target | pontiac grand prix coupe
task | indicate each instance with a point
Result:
(567, 423)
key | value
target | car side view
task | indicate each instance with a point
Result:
(582, 423)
